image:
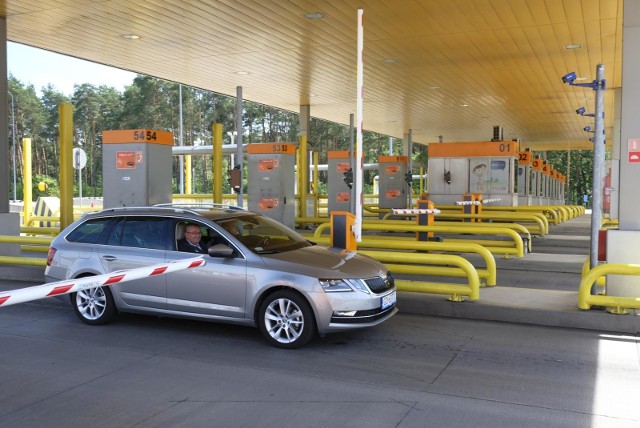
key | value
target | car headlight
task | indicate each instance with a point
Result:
(333, 285)
(339, 285)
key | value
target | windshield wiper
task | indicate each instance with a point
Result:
(269, 252)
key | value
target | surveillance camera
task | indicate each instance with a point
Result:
(569, 78)
(587, 128)
(581, 111)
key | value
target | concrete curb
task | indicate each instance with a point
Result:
(523, 306)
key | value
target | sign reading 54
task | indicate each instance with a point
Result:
(144, 135)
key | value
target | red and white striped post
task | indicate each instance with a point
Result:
(357, 228)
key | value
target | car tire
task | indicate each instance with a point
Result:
(94, 306)
(286, 320)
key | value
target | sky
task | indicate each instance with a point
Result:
(39, 67)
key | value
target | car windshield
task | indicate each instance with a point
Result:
(263, 235)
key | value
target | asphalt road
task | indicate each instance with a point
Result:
(413, 371)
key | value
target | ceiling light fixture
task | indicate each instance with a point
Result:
(314, 16)
(573, 46)
(242, 73)
(464, 105)
(434, 88)
(131, 36)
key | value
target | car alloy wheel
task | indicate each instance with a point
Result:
(286, 320)
(94, 306)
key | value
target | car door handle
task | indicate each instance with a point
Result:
(109, 258)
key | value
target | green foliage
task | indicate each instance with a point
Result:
(52, 187)
(154, 104)
(580, 175)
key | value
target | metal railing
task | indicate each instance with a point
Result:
(487, 275)
(461, 267)
(513, 246)
(618, 303)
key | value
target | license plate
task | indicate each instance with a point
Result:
(388, 300)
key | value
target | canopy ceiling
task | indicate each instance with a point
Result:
(450, 68)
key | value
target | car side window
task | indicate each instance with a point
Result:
(89, 232)
(115, 234)
(208, 236)
(140, 232)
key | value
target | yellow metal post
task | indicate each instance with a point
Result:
(315, 181)
(303, 173)
(65, 111)
(27, 184)
(187, 175)
(217, 163)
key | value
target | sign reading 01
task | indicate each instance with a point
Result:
(486, 148)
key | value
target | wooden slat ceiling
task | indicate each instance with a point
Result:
(424, 59)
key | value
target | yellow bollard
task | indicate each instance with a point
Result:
(65, 111)
(303, 173)
(425, 219)
(187, 175)
(217, 163)
(26, 187)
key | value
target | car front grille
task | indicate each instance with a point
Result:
(380, 284)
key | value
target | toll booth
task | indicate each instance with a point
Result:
(485, 168)
(392, 171)
(136, 165)
(524, 178)
(338, 173)
(536, 182)
(546, 171)
(271, 181)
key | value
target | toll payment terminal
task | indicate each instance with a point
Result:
(271, 180)
(129, 158)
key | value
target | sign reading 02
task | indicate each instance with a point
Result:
(524, 158)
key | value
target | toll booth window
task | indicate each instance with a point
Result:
(89, 232)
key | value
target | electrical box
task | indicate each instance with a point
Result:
(271, 180)
(136, 166)
(392, 171)
(339, 175)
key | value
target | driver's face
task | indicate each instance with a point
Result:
(193, 234)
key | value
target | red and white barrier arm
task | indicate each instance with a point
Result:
(28, 294)
(484, 201)
(414, 211)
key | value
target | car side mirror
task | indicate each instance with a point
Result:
(220, 250)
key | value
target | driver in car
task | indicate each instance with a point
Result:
(192, 241)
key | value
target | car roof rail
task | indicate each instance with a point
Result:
(142, 208)
(187, 205)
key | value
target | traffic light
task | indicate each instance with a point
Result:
(348, 177)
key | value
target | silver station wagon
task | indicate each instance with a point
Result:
(258, 272)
